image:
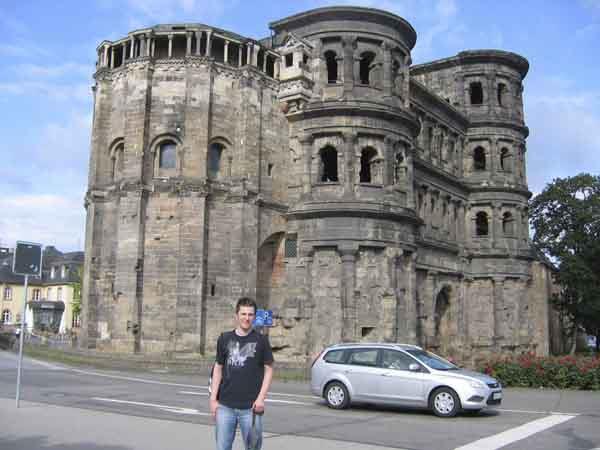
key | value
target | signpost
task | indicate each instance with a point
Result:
(264, 318)
(27, 261)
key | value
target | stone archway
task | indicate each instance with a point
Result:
(442, 318)
(270, 272)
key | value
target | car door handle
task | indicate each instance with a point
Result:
(386, 374)
(348, 371)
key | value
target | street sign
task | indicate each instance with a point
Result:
(264, 318)
(28, 259)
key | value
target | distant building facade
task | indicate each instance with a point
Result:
(52, 302)
(356, 195)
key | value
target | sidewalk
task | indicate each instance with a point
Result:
(36, 426)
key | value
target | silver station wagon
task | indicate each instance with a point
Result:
(402, 375)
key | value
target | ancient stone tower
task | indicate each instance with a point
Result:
(357, 196)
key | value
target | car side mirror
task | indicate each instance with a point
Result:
(414, 367)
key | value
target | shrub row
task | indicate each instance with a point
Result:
(564, 372)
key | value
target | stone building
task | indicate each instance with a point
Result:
(358, 196)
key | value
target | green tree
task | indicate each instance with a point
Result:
(566, 220)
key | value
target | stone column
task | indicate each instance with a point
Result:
(208, 43)
(348, 43)
(255, 49)
(495, 226)
(105, 56)
(348, 256)
(427, 213)
(124, 51)
(306, 140)
(249, 48)
(410, 297)
(198, 41)
(112, 57)
(264, 67)
(524, 164)
(188, 43)
(493, 156)
(389, 161)
(498, 295)
(153, 49)
(240, 55)
(132, 50)
(170, 55)
(387, 70)
(142, 45)
(226, 52)
(349, 157)
(460, 154)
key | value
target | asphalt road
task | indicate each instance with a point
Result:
(527, 419)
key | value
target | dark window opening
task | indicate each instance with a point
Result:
(367, 158)
(289, 60)
(270, 170)
(260, 59)
(481, 224)
(479, 159)
(161, 48)
(366, 60)
(290, 247)
(212, 290)
(501, 93)
(398, 168)
(218, 50)
(476, 93)
(179, 46)
(332, 66)
(442, 305)
(507, 223)
(167, 156)
(270, 66)
(365, 331)
(305, 61)
(215, 152)
(329, 171)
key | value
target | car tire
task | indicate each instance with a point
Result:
(444, 402)
(336, 395)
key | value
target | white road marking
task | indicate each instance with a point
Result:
(525, 411)
(173, 409)
(138, 380)
(516, 434)
(270, 400)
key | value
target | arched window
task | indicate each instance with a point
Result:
(166, 155)
(476, 92)
(442, 305)
(329, 169)
(366, 60)
(6, 316)
(332, 66)
(505, 160)
(215, 156)
(367, 160)
(117, 162)
(508, 224)
(501, 93)
(481, 224)
(399, 169)
(479, 158)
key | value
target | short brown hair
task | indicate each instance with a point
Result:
(245, 301)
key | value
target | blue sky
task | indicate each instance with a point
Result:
(47, 54)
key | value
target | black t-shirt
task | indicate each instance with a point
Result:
(243, 359)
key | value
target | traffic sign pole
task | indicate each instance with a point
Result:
(21, 341)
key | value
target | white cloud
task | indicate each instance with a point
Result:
(80, 92)
(46, 218)
(160, 11)
(29, 70)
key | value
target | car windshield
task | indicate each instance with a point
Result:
(433, 361)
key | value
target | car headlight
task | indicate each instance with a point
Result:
(476, 384)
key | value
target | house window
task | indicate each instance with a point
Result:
(332, 66)
(7, 293)
(291, 247)
(215, 157)
(289, 60)
(329, 169)
(50, 294)
(367, 160)
(36, 294)
(59, 294)
(508, 224)
(166, 157)
(476, 92)
(366, 60)
(481, 224)
(479, 159)
(6, 316)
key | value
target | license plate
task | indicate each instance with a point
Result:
(497, 395)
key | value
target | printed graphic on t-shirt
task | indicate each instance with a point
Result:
(237, 357)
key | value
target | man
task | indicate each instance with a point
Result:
(241, 379)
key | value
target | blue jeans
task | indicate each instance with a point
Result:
(227, 421)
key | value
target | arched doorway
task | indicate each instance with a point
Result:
(270, 272)
(441, 317)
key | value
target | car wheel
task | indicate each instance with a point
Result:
(444, 402)
(336, 395)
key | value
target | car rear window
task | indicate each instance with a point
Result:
(334, 356)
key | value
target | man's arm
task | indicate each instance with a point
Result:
(259, 404)
(214, 388)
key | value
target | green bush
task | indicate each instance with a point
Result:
(564, 372)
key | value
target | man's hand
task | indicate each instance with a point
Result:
(214, 404)
(259, 406)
